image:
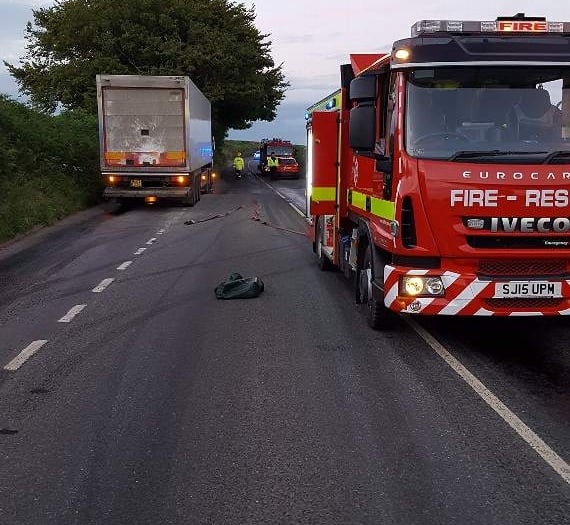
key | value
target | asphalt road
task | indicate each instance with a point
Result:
(157, 403)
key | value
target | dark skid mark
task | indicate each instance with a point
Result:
(38, 391)
(8, 431)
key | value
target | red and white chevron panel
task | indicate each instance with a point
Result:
(467, 296)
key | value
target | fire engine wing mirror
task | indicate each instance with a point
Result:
(363, 89)
(363, 127)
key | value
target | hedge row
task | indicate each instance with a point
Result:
(49, 166)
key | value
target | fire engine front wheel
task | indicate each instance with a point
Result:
(377, 315)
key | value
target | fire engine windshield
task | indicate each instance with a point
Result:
(280, 151)
(488, 112)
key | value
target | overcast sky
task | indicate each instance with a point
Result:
(312, 38)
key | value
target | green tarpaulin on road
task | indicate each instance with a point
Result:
(238, 287)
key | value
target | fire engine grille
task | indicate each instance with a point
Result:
(504, 242)
(520, 304)
(534, 268)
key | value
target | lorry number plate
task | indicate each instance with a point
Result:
(136, 183)
(516, 289)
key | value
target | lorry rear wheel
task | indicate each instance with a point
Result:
(190, 200)
(377, 315)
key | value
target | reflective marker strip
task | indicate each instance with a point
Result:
(359, 200)
(378, 207)
(382, 208)
(175, 155)
(323, 193)
(24, 355)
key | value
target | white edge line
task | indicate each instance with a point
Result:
(102, 285)
(24, 355)
(68, 317)
(527, 434)
(298, 210)
(124, 266)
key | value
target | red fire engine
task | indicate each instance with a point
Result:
(439, 174)
(281, 148)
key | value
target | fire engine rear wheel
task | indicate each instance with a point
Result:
(377, 315)
(324, 262)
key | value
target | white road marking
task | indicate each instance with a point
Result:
(296, 208)
(68, 317)
(528, 435)
(24, 355)
(102, 286)
(124, 266)
(161, 232)
(151, 241)
(140, 251)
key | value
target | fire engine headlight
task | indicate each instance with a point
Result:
(413, 286)
(203, 177)
(434, 286)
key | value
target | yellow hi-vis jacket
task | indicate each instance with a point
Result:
(239, 163)
(272, 163)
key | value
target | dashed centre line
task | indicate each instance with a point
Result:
(102, 286)
(527, 434)
(140, 251)
(24, 355)
(161, 232)
(151, 241)
(124, 266)
(68, 317)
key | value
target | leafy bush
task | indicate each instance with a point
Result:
(49, 166)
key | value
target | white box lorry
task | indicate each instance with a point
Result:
(155, 137)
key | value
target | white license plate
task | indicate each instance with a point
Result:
(523, 289)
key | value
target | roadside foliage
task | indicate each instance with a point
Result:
(49, 168)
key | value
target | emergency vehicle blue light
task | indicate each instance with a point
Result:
(307, 116)
(331, 103)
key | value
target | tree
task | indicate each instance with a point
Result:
(214, 42)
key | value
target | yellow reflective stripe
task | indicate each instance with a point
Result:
(176, 155)
(115, 155)
(359, 200)
(382, 208)
(323, 194)
(379, 207)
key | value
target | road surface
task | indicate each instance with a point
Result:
(141, 399)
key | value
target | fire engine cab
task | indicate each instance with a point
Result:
(439, 175)
(281, 148)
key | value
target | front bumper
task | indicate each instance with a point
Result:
(161, 193)
(469, 295)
